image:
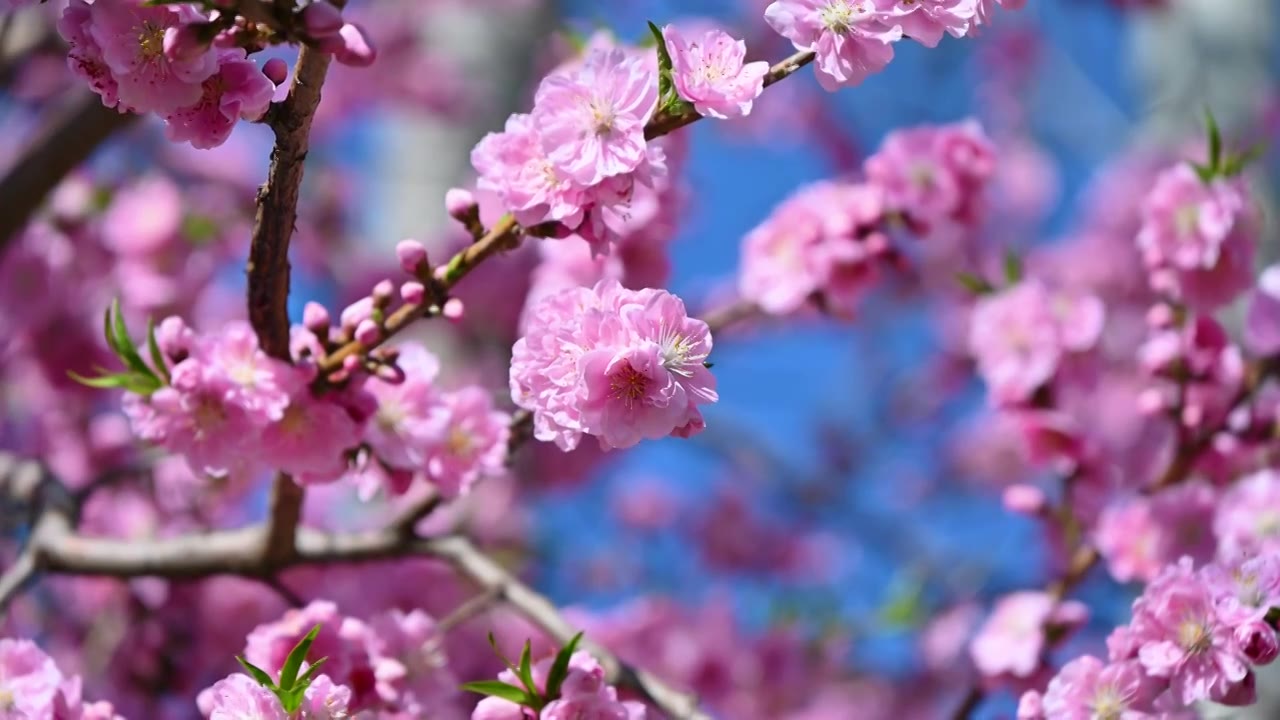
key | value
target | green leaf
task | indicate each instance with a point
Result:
(974, 284)
(560, 667)
(905, 608)
(1012, 267)
(493, 643)
(304, 680)
(1236, 163)
(1215, 140)
(153, 348)
(1204, 172)
(666, 86)
(289, 673)
(499, 689)
(133, 382)
(258, 673)
(123, 344)
(525, 671)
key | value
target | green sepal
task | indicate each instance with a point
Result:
(293, 663)
(560, 668)
(258, 673)
(499, 689)
(974, 284)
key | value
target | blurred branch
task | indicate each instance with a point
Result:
(55, 547)
(78, 128)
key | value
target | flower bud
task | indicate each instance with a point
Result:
(315, 317)
(1257, 641)
(414, 293)
(183, 43)
(276, 70)
(413, 256)
(382, 293)
(356, 312)
(461, 205)
(452, 309)
(321, 19)
(367, 332)
(1024, 499)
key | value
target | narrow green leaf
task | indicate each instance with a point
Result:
(157, 358)
(666, 86)
(499, 689)
(289, 673)
(974, 284)
(304, 680)
(1215, 140)
(493, 643)
(560, 667)
(124, 344)
(1236, 163)
(258, 673)
(101, 382)
(1012, 267)
(525, 671)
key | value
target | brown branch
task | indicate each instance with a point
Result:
(506, 234)
(77, 129)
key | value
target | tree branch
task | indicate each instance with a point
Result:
(506, 234)
(76, 130)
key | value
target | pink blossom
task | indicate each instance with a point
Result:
(1200, 357)
(85, 57)
(623, 365)
(239, 696)
(131, 36)
(409, 662)
(583, 696)
(270, 643)
(935, 174)
(1198, 239)
(818, 242)
(925, 21)
(1140, 536)
(1262, 323)
(592, 120)
(1086, 688)
(144, 217)
(712, 73)
(326, 700)
(1248, 515)
(1021, 335)
(1245, 588)
(29, 679)
(310, 440)
(852, 38)
(470, 440)
(1012, 640)
(238, 90)
(514, 165)
(1182, 638)
(252, 380)
(399, 432)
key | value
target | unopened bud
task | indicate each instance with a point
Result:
(321, 19)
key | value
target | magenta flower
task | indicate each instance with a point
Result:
(592, 120)
(1020, 336)
(1181, 637)
(712, 73)
(1141, 536)
(399, 433)
(925, 21)
(623, 365)
(238, 90)
(1248, 516)
(29, 679)
(310, 441)
(257, 383)
(145, 217)
(469, 440)
(937, 175)
(131, 36)
(852, 38)
(1086, 688)
(409, 662)
(1262, 323)
(1198, 239)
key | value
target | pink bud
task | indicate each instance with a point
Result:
(356, 312)
(276, 70)
(383, 292)
(315, 317)
(452, 309)
(1160, 316)
(321, 19)
(412, 255)
(182, 43)
(414, 293)
(1024, 499)
(351, 363)
(367, 332)
(351, 46)
(174, 337)
(460, 204)
(1258, 642)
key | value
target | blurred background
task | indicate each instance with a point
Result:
(843, 505)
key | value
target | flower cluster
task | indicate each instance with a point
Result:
(583, 693)
(623, 365)
(823, 246)
(574, 163)
(32, 686)
(854, 38)
(1195, 636)
(391, 664)
(230, 409)
(188, 67)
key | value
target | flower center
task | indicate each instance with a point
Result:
(1193, 635)
(389, 416)
(1268, 524)
(459, 442)
(243, 374)
(1186, 220)
(294, 421)
(603, 116)
(628, 385)
(7, 701)
(1108, 703)
(208, 414)
(151, 40)
(839, 16)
